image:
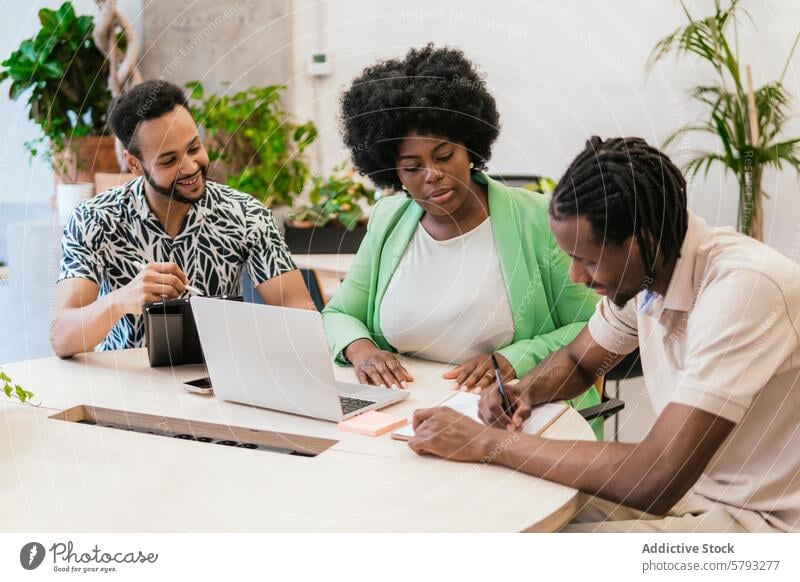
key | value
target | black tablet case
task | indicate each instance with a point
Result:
(171, 334)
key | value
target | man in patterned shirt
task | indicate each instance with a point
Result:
(170, 227)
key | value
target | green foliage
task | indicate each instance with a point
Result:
(336, 198)
(63, 74)
(541, 184)
(261, 148)
(12, 390)
(727, 109)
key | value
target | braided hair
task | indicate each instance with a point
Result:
(624, 187)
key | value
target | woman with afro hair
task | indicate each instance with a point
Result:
(458, 267)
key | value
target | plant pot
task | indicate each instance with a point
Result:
(327, 240)
(83, 157)
(69, 196)
(106, 180)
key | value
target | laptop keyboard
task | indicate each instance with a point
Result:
(352, 404)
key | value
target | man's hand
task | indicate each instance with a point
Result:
(376, 366)
(490, 408)
(155, 282)
(477, 373)
(449, 434)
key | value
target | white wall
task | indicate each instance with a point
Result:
(561, 70)
(21, 179)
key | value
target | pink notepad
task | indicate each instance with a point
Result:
(372, 423)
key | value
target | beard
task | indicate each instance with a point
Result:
(622, 296)
(171, 190)
(621, 299)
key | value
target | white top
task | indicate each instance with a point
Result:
(724, 338)
(447, 301)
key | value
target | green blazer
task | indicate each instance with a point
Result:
(547, 308)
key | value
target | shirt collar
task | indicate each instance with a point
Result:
(681, 289)
(139, 200)
(193, 218)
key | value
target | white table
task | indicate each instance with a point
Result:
(63, 476)
(333, 265)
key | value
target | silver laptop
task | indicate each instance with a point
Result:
(278, 358)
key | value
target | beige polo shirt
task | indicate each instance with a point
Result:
(724, 339)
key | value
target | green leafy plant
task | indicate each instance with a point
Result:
(62, 73)
(749, 124)
(541, 184)
(259, 146)
(337, 198)
(12, 390)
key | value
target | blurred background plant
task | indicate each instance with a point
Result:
(62, 73)
(256, 145)
(748, 124)
(541, 184)
(338, 198)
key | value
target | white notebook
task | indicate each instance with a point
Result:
(467, 404)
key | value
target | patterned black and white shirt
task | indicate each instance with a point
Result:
(109, 234)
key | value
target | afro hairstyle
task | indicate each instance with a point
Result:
(433, 92)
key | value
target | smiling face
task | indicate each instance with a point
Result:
(171, 156)
(612, 269)
(435, 172)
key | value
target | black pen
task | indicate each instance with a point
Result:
(502, 387)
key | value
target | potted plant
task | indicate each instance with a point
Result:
(335, 221)
(62, 73)
(541, 184)
(254, 143)
(748, 124)
(12, 390)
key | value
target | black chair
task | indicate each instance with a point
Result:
(608, 406)
(309, 277)
(314, 289)
(629, 367)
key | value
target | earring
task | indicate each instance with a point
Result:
(471, 165)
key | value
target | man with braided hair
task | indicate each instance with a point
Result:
(715, 315)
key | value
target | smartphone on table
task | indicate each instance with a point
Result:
(200, 386)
